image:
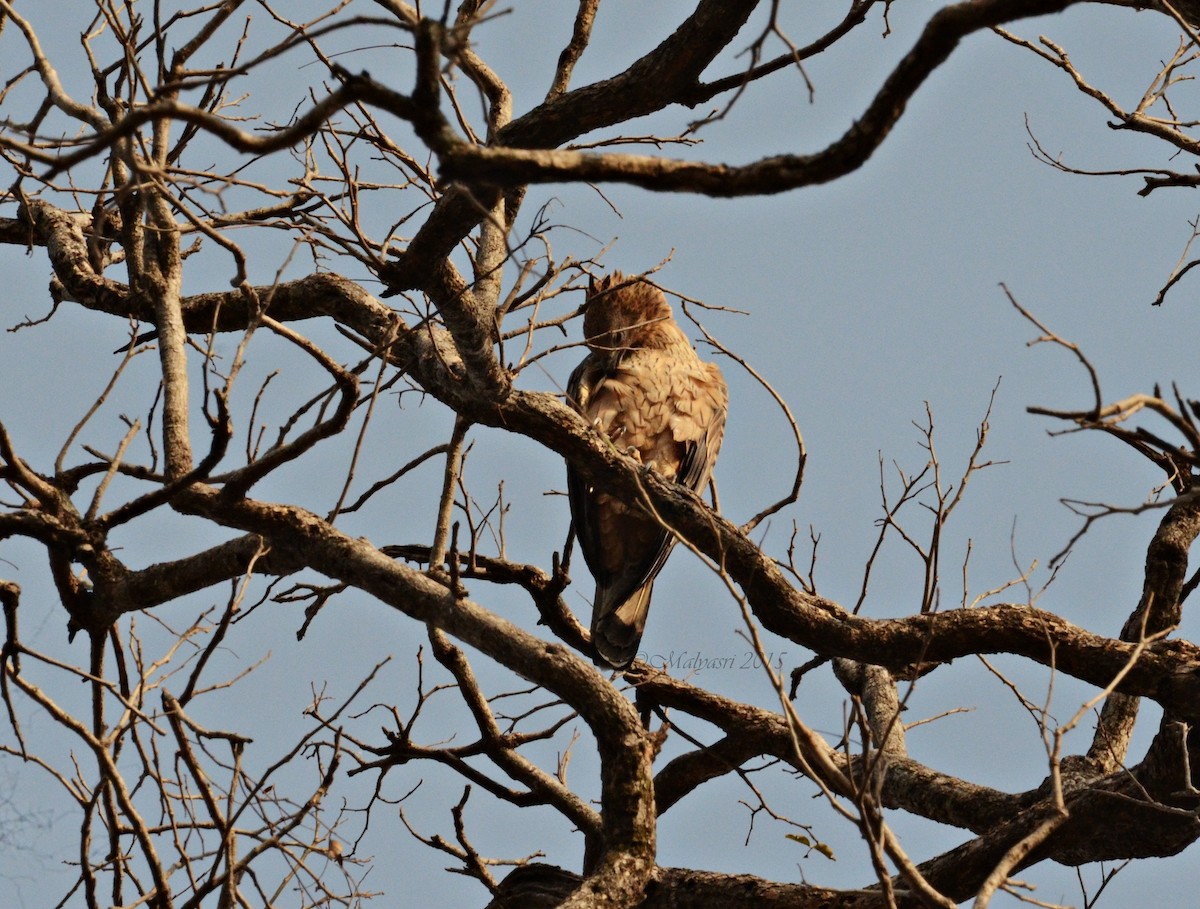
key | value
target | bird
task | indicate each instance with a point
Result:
(644, 387)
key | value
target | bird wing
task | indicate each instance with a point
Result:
(579, 388)
(622, 547)
(698, 424)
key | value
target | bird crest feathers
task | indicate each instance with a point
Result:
(623, 312)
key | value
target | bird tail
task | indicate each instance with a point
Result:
(617, 628)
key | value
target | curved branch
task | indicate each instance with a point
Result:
(164, 582)
(663, 76)
(1161, 672)
(627, 798)
(353, 88)
(942, 34)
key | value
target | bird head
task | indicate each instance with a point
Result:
(622, 313)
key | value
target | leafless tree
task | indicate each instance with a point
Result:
(158, 156)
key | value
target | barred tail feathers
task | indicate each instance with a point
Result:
(617, 628)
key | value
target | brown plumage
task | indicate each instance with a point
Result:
(644, 387)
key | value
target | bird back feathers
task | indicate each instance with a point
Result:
(645, 388)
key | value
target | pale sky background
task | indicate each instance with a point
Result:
(867, 299)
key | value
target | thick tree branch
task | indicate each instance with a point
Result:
(627, 799)
(942, 34)
(1163, 668)
(658, 79)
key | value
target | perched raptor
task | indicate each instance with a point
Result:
(644, 387)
